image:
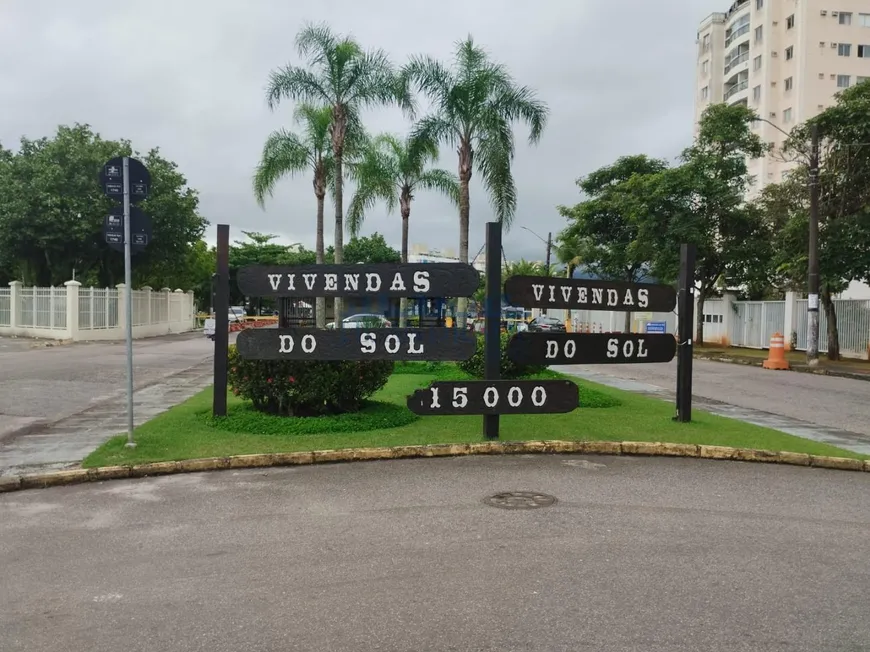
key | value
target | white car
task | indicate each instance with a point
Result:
(363, 320)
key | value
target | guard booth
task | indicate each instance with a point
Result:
(296, 313)
(431, 312)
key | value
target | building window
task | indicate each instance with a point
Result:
(789, 22)
(759, 33)
(864, 20)
(844, 81)
(789, 52)
(844, 49)
(786, 115)
(756, 63)
(705, 92)
(789, 83)
(759, 4)
(706, 42)
(756, 93)
(864, 51)
(861, 80)
(705, 67)
(845, 17)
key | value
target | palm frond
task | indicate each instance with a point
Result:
(420, 150)
(315, 120)
(295, 84)
(372, 80)
(493, 161)
(520, 104)
(430, 77)
(376, 178)
(435, 128)
(314, 41)
(283, 154)
(441, 181)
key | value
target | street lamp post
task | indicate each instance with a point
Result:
(813, 253)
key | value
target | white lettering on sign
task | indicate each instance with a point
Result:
(592, 298)
(491, 397)
(286, 344)
(392, 343)
(628, 349)
(418, 282)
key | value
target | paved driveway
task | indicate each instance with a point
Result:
(840, 403)
(638, 554)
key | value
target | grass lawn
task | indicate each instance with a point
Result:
(187, 431)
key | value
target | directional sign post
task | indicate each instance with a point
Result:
(140, 229)
(397, 344)
(494, 397)
(128, 181)
(591, 348)
(581, 294)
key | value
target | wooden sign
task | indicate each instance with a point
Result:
(591, 348)
(495, 397)
(382, 280)
(356, 344)
(578, 294)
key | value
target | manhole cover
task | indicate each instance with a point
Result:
(519, 500)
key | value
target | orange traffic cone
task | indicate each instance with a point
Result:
(776, 359)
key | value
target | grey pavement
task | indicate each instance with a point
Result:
(70, 399)
(638, 554)
(823, 408)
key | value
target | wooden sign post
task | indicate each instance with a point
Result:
(605, 348)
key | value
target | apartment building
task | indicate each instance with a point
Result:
(786, 59)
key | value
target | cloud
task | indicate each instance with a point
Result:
(189, 76)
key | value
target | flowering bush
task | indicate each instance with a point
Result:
(306, 388)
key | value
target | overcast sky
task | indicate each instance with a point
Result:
(189, 76)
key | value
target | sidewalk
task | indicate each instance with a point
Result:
(65, 443)
(855, 369)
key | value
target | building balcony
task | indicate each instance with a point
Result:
(736, 61)
(734, 89)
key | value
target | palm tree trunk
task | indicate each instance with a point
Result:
(319, 302)
(339, 126)
(403, 302)
(464, 219)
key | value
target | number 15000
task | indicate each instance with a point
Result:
(491, 397)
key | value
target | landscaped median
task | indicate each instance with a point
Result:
(188, 431)
(609, 422)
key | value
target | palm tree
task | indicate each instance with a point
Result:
(476, 103)
(341, 75)
(392, 170)
(287, 153)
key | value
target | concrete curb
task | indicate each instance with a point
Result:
(751, 362)
(77, 476)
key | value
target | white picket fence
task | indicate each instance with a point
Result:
(73, 312)
(752, 323)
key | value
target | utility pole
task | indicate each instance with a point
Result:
(813, 258)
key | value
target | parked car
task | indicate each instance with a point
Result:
(236, 313)
(546, 324)
(363, 320)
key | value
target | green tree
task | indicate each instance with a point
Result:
(392, 170)
(341, 75)
(368, 249)
(288, 154)
(844, 203)
(476, 103)
(604, 231)
(702, 202)
(52, 211)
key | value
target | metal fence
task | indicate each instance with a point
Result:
(853, 326)
(755, 322)
(42, 308)
(5, 306)
(98, 308)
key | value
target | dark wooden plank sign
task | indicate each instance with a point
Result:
(495, 397)
(356, 344)
(579, 294)
(383, 280)
(591, 348)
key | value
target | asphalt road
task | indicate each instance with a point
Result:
(55, 382)
(638, 554)
(824, 400)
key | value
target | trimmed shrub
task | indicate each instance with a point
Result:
(306, 388)
(474, 365)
